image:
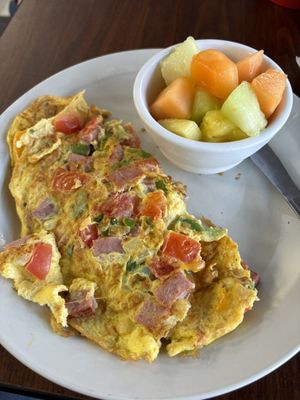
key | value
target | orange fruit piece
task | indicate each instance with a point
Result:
(215, 72)
(175, 101)
(269, 88)
(249, 67)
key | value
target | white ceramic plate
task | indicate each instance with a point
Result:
(242, 199)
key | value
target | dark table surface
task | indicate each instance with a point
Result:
(45, 37)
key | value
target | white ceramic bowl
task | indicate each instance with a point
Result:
(202, 157)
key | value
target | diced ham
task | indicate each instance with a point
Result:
(79, 304)
(85, 162)
(89, 234)
(255, 277)
(126, 175)
(90, 136)
(177, 286)
(161, 268)
(151, 315)
(134, 141)
(105, 245)
(117, 154)
(120, 205)
(244, 264)
(17, 243)
(181, 247)
(133, 172)
(148, 164)
(136, 205)
(91, 130)
(44, 210)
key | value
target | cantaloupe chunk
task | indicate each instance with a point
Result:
(249, 67)
(175, 101)
(215, 72)
(269, 87)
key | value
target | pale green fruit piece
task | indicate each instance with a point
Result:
(216, 128)
(242, 108)
(182, 127)
(203, 102)
(178, 62)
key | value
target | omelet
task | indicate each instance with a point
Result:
(107, 242)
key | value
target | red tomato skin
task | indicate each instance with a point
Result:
(40, 262)
(68, 123)
(181, 247)
(64, 181)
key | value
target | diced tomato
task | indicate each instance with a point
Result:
(89, 234)
(66, 181)
(181, 247)
(154, 205)
(40, 262)
(68, 123)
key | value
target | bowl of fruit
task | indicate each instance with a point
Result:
(210, 104)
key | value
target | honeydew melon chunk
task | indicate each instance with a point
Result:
(203, 102)
(178, 62)
(242, 108)
(182, 127)
(216, 128)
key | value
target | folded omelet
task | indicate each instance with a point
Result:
(107, 242)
